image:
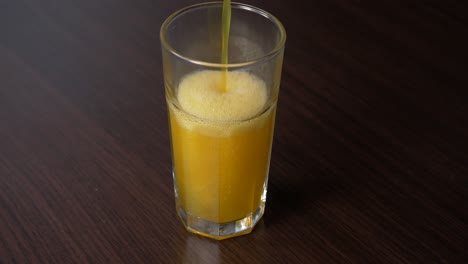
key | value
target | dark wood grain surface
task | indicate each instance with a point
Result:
(370, 156)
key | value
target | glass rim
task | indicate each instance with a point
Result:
(272, 53)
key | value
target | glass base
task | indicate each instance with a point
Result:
(220, 231)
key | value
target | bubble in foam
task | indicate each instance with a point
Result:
(202, 94)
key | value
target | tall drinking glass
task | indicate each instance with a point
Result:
(221, 115)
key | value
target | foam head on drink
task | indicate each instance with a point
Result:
(221, 140)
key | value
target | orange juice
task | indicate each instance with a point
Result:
(221, 142)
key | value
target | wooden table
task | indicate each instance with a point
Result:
(369, 162)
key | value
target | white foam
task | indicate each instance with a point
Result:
(202, 94)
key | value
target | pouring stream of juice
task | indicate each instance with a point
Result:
(226, 25)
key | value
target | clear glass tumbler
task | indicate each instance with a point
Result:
(221, 115)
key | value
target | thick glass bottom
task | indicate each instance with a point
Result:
(220, 231)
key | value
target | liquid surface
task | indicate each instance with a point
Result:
(201, 94)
